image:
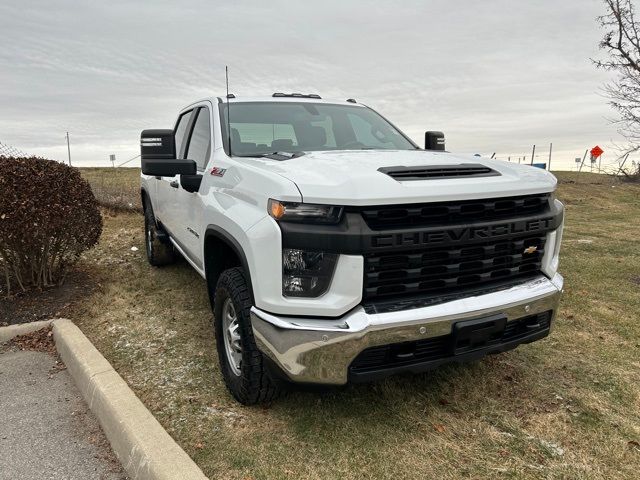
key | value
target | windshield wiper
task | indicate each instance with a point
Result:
(274, 155)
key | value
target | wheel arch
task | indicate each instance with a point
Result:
(222, 251)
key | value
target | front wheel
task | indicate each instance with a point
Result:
(242, 364)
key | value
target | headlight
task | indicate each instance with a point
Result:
(306, 274)
(304, 212)
(551, 258)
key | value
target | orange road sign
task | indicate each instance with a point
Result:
(596, 152)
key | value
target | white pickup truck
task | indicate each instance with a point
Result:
(336, 250)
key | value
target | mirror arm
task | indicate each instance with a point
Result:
(191, 183)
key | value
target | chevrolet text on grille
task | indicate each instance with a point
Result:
(460, 234)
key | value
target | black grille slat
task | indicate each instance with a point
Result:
(445, 213)
(426, 273)
(410, 259)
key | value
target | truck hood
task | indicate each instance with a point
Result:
(351, 177)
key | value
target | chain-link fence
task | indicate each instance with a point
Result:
(117, 188)
(11, 151)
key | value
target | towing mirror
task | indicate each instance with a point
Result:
(158, 155)
(434, 141)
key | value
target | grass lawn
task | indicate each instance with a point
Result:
(564, 407)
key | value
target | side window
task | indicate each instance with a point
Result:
(200, 142)
(181, 129)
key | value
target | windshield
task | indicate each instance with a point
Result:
(262, 128)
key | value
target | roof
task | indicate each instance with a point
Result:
(270, 98)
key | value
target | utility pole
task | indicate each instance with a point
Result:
(68, 149)
(533, 154)
(583, 158)
(550, 149)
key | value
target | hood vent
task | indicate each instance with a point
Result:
(435, 172)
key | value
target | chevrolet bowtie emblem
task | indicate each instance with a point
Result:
(530, 249)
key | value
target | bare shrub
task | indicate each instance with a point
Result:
(48, 217)
(632, 172)
(621, 46)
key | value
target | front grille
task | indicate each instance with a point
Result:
(447, 213)
(438, 348)
(431, 250)
(445, 269)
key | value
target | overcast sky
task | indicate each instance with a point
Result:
(495, 76)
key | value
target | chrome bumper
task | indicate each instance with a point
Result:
(318, 350)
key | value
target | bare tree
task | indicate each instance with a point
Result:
(621, 42)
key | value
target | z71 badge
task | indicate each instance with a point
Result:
(218, 172)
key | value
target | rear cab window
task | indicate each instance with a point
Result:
(199, 148)
(180, 131)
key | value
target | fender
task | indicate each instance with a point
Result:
(144, 193)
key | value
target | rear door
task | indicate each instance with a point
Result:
(167, 186)
(189, 206)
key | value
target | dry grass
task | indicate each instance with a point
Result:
(564, 407)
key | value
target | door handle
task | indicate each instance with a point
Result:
(174, 184)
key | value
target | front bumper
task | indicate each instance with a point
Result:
(320, 350)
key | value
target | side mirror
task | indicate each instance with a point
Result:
(158, 155)
(434, 141)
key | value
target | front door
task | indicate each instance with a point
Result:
(165, 205)
(189, 205)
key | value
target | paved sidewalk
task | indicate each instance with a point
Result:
(46, 429)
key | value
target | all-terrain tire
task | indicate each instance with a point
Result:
(158, 252)
(251, 382)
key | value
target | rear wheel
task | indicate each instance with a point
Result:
(159, 252)
(242, 364)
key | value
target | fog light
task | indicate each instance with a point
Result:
(306, 274)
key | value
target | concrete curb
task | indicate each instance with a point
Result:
(144, 448)
(7, 333)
